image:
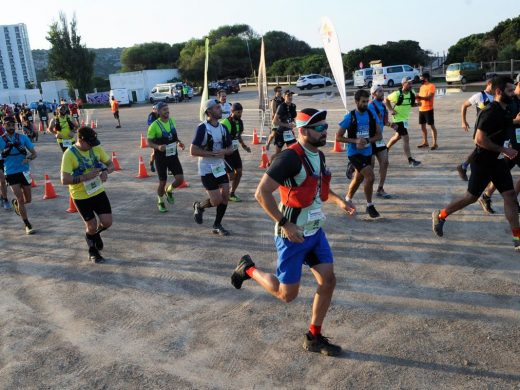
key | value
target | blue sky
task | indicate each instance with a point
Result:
(114, 23)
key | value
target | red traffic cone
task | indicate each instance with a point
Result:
(143, 174)
(264, 163)
(49, 192)
(92, 124)
(33, 183)
(256, 141)
(144, 144)
(72, 206)
(83, 123)
(184, 184)
(41, 127)
(115, 162)
(338, 147)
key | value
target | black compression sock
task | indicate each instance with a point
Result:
(221, 210)
(205, 204)
(90, 240)
(27, 223)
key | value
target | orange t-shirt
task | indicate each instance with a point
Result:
(115, 105)
(425, 90)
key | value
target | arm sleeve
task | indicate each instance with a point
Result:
(285, 166)
(198, 138)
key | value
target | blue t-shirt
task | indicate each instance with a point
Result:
(13, 162)
(363, 131)
(380, 118)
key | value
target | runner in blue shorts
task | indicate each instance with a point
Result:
(301, 175)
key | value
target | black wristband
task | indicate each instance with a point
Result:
(282, 221)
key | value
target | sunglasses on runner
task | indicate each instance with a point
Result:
(319, 128)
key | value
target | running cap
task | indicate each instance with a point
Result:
(210, 104)
(375, 88)
(309, 116)
(160, 105)
(406, 80)
(88, 135)
(288, 92)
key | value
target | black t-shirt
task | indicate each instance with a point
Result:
(286, 166)
(496, 123)
(514, 109)
(286, 112)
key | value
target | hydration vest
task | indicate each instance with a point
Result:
(353, 127)
(7, 152)
(236, 126)
(209, 138)
(485, 102)
(167, 138)
(400, 98)
(83, 162)
(58, 127)
(303, 195)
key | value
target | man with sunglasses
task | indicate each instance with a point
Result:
(17, 151)
(361, 130)
(284, 121)
(301, 175)
(84, 168)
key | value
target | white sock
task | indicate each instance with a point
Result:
(347, 198)
(370, 204)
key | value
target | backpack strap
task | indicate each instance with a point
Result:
(352, 128)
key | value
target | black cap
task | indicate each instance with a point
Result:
(288, 92)
(88, 135)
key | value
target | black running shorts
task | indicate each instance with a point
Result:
(401, 130)
(279, 141)
(163, 164)
(233, 161)
(211, 183)
(426, 117)
(359, 161)
(88, 208)
(116, 114)
(485, 171)
(17, 178)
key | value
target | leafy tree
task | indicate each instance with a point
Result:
(152, 55)
(279, 44)
(101, 83)
(69, 59)
(459, 51)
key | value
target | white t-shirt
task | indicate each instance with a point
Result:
(226, 109)
(479, 101)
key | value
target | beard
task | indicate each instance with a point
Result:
(506, 99)
(362, 109)
(322, 141)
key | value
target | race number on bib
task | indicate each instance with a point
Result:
(93, 185)
(27, 176)
(67, 143)
(517, 131)
(171, 149)
(315, 220)
(75, 116)
(380, 143)
(235, 144)
(218, 169)
(288, 135)
(405, 124)
(506, 145)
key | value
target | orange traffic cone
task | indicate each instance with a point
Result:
(92, 124)
(264, 163)
(115, 162)
(41, 127)
(49, 192)
(83, 123)
(142, 169)
(184, 184)
(144, 144)
(338, 147)
(256, 141)
(72, 206)
(33, 183)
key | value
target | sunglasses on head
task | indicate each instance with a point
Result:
(319, 128)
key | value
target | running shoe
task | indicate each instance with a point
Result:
(218, 229)
(152, 166)
(383, 194)
(94, 256)
(516, 243)
(437, 223)
(485, 203)
(320, 344)
(434, 147)
(162, 208)
(239, 274)
(118, 127)
(29, 230)
(16, 207)
(462, 172)
(197, 212)
(7, 205)
(169, 195)
(372, 212)
(414, 163)
(425, 145)
(234, 198)
(350, 170)
(98, 241)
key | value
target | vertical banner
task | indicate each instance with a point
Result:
(204, 96)
(263, 100)
(333, 52)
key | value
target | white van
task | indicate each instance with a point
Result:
(363, 78)
(391, 75)
(164, 92)
(121, 95)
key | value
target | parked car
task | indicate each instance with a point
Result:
(313, 80)
(164, 92)
(363, 78)
(391, 75)
(462, 72)
(230, 86)
(34, 105)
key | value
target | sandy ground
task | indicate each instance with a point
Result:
(412, 311)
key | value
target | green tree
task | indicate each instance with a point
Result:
(69, 59)
(152, 55)
(459, 51)
(279, 44)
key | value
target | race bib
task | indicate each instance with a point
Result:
(75, 116)
(506, 145)
(44, 118)
(380, 143)
(171, 149)
(288, 135)
(315, 220)
(218, 169)
(517, 131)
(29, 118)
(27, 176)
(235, 144)
(67, 143)
(93, 185)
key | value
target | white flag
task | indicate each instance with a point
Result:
(333, 52)
(263, 103)
(204, 96)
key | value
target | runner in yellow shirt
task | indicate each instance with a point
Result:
(84, 168)
(64, 128)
